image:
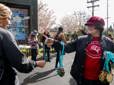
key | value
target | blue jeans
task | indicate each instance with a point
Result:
(59, 57)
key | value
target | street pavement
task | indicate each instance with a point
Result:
(48, 76)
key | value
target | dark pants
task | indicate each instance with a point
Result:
(57, 58)
(91, 82)
(34, 53)
(46, 53)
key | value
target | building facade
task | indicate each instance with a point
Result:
(24, 18)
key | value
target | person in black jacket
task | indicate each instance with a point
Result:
(10, 56)
(89, 48)
(46, 54)
(59, 47)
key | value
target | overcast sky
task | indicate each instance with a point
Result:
(64, 7)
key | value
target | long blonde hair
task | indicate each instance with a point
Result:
(5, 11)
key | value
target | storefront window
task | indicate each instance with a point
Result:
(20, 23)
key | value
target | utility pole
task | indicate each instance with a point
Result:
(93, 5)
(107, 15)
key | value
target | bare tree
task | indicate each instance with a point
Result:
(46, 17)
(68, 22)
(74, 21)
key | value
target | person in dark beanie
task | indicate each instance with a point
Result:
(11, 58)
(59, 47)
(89, 61)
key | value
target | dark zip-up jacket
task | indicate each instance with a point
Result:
(12, 58)
(79, 46)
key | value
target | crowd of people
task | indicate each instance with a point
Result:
(89, 57)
